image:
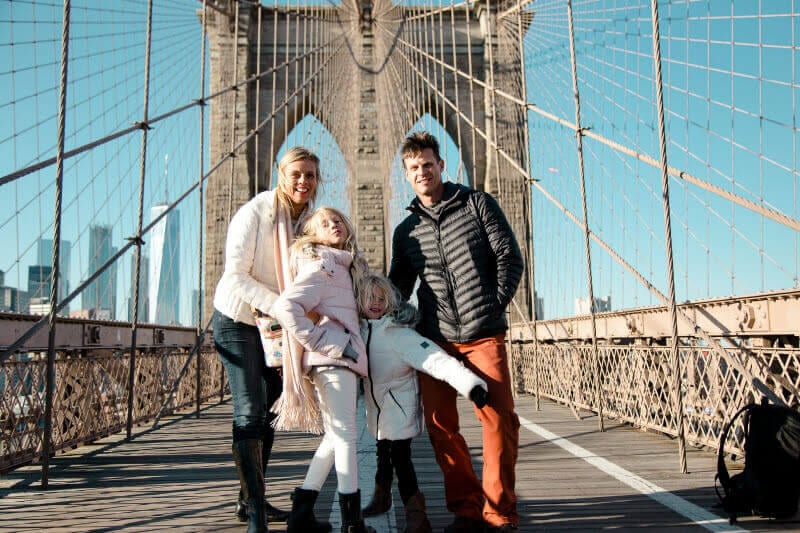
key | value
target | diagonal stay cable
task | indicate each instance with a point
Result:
(8, 178)
(772, 214)
(16, 345)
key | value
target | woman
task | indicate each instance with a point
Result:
(256, 271)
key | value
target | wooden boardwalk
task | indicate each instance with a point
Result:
(181, 477)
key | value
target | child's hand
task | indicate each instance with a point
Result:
(479, 396)
(350, 353)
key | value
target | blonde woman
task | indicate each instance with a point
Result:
(321, 380)
(256, 271)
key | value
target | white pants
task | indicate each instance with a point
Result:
(337, 390)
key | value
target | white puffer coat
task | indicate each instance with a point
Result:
(249, 277)
(324, 285)
(391, 389)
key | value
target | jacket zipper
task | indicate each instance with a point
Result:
(446, 273)
(372, 381)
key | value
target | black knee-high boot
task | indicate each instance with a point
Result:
(273, 513)
(352, 519)
(247, 455)
(302, 519)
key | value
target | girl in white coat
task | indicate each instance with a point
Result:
(320, 378)
(396, 352)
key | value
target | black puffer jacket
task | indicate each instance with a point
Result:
(468, 262)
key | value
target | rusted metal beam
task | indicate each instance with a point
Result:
(770, 314)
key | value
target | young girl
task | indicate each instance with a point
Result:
(396, 351)
(325, 359)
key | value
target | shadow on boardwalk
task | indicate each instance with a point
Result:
(181, 477)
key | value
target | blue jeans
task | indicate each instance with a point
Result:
(254, 386)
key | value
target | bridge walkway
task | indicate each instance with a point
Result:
(180, 477)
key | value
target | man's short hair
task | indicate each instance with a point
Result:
(417, 142)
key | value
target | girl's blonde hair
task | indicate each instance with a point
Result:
(307, 242)
(402, 312)
(284, 186)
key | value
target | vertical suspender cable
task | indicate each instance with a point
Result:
(528, 207)
(138, 238)
(257, 118)
(272, 148)
(459, 138)
(597, 379)
(47, 444)
(490, 28)
(200, 207)
(662, 141)
(474, 155)
(234, 80)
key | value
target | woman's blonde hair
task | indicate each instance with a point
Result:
(402, 312)
(307, 242)
(284, 186)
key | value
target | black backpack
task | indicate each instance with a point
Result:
(769, 485)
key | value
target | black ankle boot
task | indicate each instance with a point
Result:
(302, 519)
(273, 513)
(247, 455)
(352, 520)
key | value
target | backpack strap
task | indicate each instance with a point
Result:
(722, 470)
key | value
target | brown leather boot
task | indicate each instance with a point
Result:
(381, 499)
(416, 518)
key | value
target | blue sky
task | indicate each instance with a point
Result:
(731, 81)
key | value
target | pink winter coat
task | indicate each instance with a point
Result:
(323, 284)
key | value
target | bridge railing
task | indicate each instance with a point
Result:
(634, 383)
(90, 398)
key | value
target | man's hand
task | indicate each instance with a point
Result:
(313, 316)
(479, 396)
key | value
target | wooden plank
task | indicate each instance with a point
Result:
(181, 476)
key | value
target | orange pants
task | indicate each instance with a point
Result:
(495, 502)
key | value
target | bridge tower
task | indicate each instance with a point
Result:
(247, 44)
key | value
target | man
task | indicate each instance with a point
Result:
(459, 244)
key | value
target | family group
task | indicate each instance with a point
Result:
(300, 268)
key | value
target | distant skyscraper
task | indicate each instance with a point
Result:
(40, 282)
(539, 303)
(102, 292)
(12, 300)
(45, 257)
(143, 290)
(164, 280)
(601, 305)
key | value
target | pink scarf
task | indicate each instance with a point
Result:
(298, 407)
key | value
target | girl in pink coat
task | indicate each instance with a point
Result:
(321, 374)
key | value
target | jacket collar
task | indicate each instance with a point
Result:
(454, 195)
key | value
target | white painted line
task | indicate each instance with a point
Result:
(686, 508)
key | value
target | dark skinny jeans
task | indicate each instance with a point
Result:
(254, 386)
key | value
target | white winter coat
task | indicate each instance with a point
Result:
(391, 389)
(323, 285)
(249, 277)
